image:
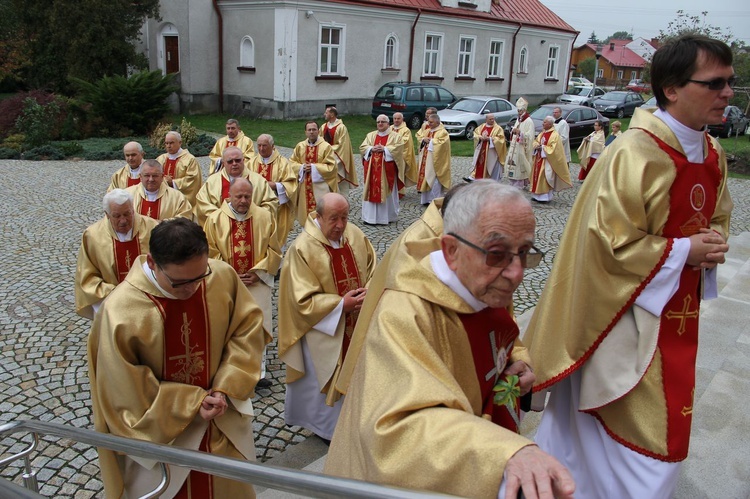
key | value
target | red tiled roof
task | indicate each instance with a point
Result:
(621, 56)
(526, 12)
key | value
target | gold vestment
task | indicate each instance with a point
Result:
(280, 171)
(492, 156)
(244, 143)
(172, 203)
(188, 177)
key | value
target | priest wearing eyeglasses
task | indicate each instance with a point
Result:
(174, 356)
(435, 388)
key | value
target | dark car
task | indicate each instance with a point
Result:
(411, 100)
(580, 119)
(733, 122)
(618, 103)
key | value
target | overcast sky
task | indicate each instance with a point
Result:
(644, 18)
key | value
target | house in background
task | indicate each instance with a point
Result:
(284, 59)
(620, 61)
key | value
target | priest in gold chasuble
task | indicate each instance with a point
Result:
(216, 189)
(321, 290)
(108, 250)
(174, 356)
(434, 160)
(489, 150)
(128, 175)
(614, 336)
(152, 198)
(433, 396)
(410, 160)
(235, 137)
(244, 236)
(335, 133)
(551, 172)
(383, 160)
(314, 163)
(181, 169)
(278, 172)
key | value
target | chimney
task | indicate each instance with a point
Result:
(611, 45)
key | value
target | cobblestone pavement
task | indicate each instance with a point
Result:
(43, 371)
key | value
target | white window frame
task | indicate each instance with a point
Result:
(434, 55)
(600, 73)
(620, 74)
(394, 51)
(465, 66)
(523, 60)
(247, 52)
(496, 60)
(340, 50)
(553, 62)
(634, 75)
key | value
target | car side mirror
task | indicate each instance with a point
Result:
(570, 120)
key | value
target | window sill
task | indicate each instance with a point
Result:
(431, 78)
(522, 73)
(551, 80)
(390, 71)
(331, 78)
(494, 78)
(246, 69)
(464, 78)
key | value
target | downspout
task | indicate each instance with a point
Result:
(570, 61)
(512, 60)
(411, 44)
(221, 56)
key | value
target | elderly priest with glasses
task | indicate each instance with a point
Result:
(174, 355)
(433, 395)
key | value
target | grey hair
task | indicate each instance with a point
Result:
(551, 119)
(434, 116)
(232, 121)
(116, 196)
(467, 204)
(176, 134)
(155, 164)
(384, 116)
(138, 144)
(267, 136)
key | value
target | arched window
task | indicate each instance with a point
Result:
(390, 60)
(247, 53)
(523, 60)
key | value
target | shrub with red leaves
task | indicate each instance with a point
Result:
(11, 108)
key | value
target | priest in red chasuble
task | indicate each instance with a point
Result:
(615, 333)
(314, 163)
(235, 137)
(244, 236)
(129, 174)
(383, 160)
(434, 160)
(436, 385)
(216, 189)
(152, 198)
(322, 287)
(181, 169)
(489, 150)
(334, 132)
(174, 355)
(550, 171)
(108, 250)
(278, 172)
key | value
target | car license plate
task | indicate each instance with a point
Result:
(385, 104)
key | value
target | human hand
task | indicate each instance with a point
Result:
(169, 180)
(707, 249)
(526, 376)
(307, 167)
(213, 406)
(353, 299)
(540, 475)
(249, 278)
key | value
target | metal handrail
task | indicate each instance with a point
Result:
(264, 475)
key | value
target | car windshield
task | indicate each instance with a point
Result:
(583, 91)
(542, 112)
(467, 105)
(389, 92)
(614, 96)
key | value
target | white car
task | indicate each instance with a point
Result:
(583, 96)
(461, 118)
(579, 81)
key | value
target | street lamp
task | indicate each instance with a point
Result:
(596, 66)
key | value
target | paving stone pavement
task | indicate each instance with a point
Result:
(43, 370)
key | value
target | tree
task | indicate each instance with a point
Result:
(619, 35)
(13, 42)
(685, 24)
(87, 39)
(586, 67)
(593, 38)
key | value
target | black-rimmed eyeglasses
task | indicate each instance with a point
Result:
(179, 284)
(529, 258)
(717, 83)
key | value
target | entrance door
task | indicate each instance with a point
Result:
(172, 53)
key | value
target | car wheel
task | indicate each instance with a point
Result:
(730, 131)
(469, 132)
(415, 121)
(620, 113)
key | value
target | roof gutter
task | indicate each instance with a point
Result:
(411, 42)
(220, 35)
(512, 61)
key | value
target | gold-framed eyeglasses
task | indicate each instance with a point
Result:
(500, 259)
(178, 283)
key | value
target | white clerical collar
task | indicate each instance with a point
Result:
(123, 238)
(311, 143)
(266, 160)
(152, 277)
(151, 195)
(175, 156)
(690, 140)
(450, 279)
(240, 217)
(334, 244)
(135, 172)
(383, 134)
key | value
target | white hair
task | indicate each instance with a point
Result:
(139, 147)
(116, 196)
(466, 205)
(176, 134)
(550, 119)
(268, 137)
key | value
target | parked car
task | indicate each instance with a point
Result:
(461, 118)
(650, 104)
(583, 96)
(639, 86)
(580, 119)
(410, 99)
(579, 81)
(618, 103)
(733, 122)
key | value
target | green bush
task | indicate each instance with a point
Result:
(71, 149)
(15, 142)
(202, 145)
(44, 153)
(39, 122)
(102, 155)
(7, 153)
(133, 104)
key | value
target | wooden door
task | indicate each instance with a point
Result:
(172, 53)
